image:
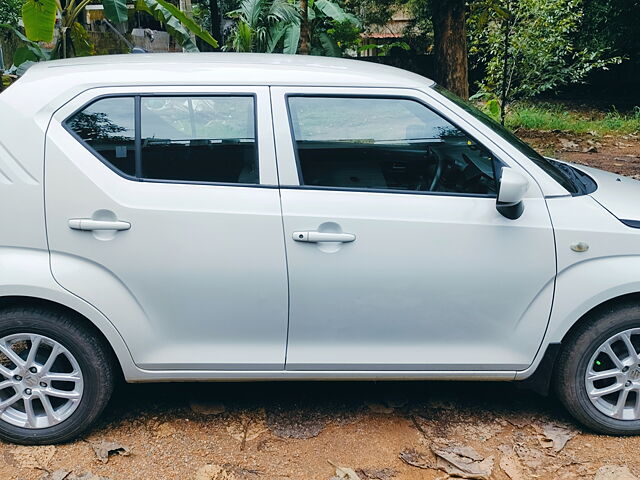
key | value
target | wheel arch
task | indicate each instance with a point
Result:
(115, 348)
(538, 377)
(603, 307)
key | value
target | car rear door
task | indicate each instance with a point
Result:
(163, 212)
(388, 269)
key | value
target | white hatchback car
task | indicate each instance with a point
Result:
(223, 216)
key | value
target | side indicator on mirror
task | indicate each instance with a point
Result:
(579, 247)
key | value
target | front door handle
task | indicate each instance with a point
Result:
(316, 237)
(89, 224)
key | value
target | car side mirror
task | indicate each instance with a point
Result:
(511, 190)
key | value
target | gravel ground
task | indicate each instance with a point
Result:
(351, 430)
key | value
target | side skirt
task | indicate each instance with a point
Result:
(138, 375)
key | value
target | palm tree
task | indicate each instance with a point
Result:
(261, 24)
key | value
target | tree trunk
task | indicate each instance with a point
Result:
(186, 8)
(216, 21)
(305, 35)
(450, 45)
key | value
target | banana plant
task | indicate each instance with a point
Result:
(275, 25)
(42, 17)
(319, 14)
(30, 51)
(261, 24)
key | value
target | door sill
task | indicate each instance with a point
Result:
(140, 375)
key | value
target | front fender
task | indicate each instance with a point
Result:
(582, 287)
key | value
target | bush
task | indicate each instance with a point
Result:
(10, 11)
(528, 48)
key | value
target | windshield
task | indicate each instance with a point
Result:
(551, 168)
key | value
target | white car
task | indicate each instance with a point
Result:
(243, 217)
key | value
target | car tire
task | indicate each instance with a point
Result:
(80, 355)
(581, 354)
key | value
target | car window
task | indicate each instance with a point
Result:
(108, 127)
(559, 174)
(209, 139)
(383, 143)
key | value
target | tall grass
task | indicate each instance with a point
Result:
(558, 117)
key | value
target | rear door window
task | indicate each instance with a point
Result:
(202, 139)
(107, 126)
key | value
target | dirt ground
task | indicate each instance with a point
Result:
(618, 154)
(351, 430)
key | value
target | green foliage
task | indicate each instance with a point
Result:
(333, 29)
(39, 17)
(559, 117)
(274, 26)
(179, 25)
(116, 10)
(10, 11)
(527, 47)
(375, 12)
(261, 24)
(82, 45)
(334, 11)
(386, 48)
(29, 51)
(612, 25)
(346, 35)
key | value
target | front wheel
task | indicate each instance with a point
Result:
(598, 373)
(56, 376)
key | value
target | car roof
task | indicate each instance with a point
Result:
(224, 68)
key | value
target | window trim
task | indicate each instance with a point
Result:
(137, 101)
(497, 161)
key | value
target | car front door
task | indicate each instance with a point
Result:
(397, 257)
(163, 212)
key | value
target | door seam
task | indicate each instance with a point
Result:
(284, 237)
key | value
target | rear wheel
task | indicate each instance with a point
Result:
(56, 376)
(598, 374)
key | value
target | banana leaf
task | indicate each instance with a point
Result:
(177, 23)
(116, 10)
(39, 18)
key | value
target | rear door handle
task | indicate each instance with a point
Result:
(316, 237)
(89, 224)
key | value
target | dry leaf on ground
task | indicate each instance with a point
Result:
(614, 472)
(345, 473)
(373, 474)
(510, 464)
(556, 436)
(247, 426)
(225, 472)
(415, 459)
(57, 475)
(568, 144)
(104, 450)
(85, 476)
(462, 461)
